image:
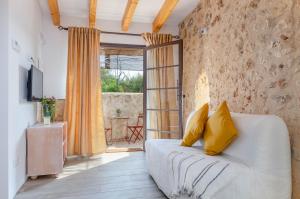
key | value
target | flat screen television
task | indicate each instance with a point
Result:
(34, 84)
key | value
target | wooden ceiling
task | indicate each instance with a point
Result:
(93, 13)
(163, 14)
(54, 11)
(128, 14)
(160, 19)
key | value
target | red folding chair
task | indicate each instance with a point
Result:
(108, 134)
(136, 131)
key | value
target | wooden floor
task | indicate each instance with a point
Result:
(125, 146)
(107, 176)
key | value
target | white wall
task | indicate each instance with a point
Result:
(25, 27)
(4, 36)
(21, 22)
(54, 50)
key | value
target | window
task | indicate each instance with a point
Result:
(121, 69)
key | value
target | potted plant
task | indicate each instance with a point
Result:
(118, 111)
(48, 105)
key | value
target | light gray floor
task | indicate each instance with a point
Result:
(107, 176)
(124, 146)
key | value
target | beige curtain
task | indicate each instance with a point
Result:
(161, 78)
(83, 108)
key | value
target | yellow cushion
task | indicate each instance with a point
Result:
(195, 127)
(219, 131)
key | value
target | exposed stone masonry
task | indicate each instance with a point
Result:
(248, 53)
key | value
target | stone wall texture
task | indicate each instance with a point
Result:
(248, 53)
(130, 104)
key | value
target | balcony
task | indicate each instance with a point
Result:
(123, 121)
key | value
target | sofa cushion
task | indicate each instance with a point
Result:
(219, 131)
(195, 126)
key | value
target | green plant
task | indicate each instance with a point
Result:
(48, 105)
(133, 84)
(111, 83)
(118, 111)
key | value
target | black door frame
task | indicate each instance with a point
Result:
(118, 45)
(180, 69)
(180, 93)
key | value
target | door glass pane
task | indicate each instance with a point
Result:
(162, 89)
(163, 56)
(162, 120)
(163, 77)
(168, 99)
(152, 134)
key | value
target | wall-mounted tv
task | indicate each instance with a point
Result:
(34, 84)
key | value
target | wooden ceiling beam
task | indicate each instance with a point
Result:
(163, 14)
(93, 13)
(54, 11)
(128, 14)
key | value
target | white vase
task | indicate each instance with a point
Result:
(47, 120)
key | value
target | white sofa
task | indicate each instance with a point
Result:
(257, 165)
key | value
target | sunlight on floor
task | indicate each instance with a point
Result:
(124, 147)
(111, 175)
(76, 165)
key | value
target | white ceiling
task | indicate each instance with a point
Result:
(114, 9)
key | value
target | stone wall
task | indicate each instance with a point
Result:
(59, 111)
(248, 53)
(130, 104)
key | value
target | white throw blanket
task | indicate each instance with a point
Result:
(199, 176)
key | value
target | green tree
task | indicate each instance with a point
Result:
(110, 83)
(133, 84)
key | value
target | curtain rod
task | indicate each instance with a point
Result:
(117, 33)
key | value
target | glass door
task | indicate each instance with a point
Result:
(163, 91)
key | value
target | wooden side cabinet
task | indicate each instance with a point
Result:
(46, 149)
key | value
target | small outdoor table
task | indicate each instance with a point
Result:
(112, 129)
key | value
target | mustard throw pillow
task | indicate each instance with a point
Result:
(219, 131)
(195, 127)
